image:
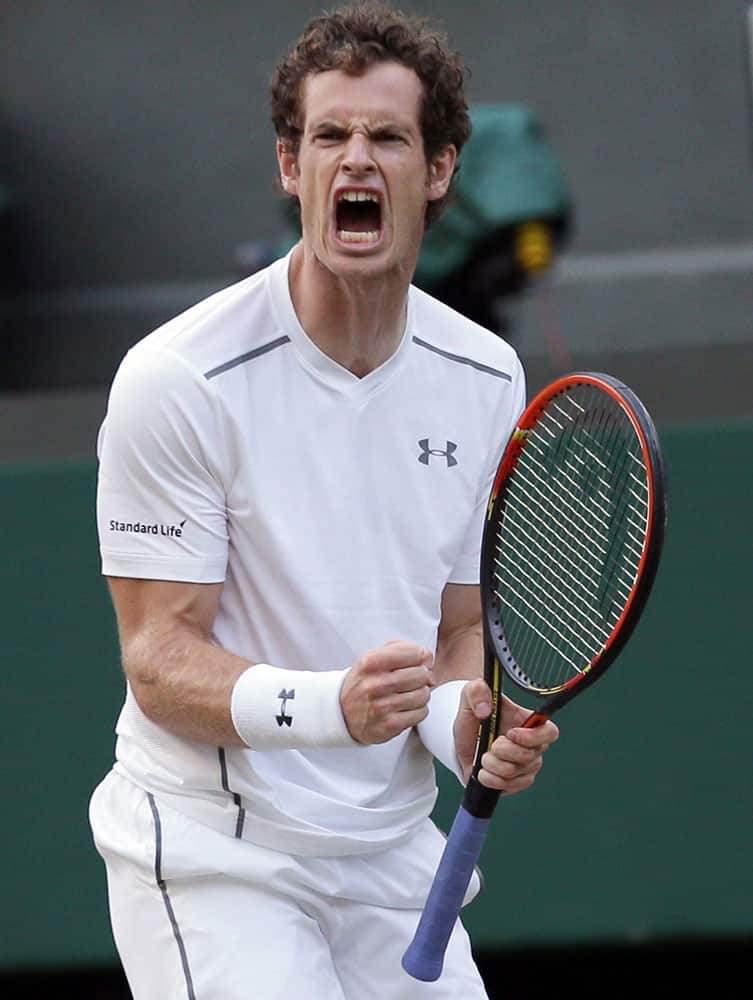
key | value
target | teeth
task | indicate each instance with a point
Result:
(348, 237)
(359, 196)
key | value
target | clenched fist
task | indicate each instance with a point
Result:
(387, 691)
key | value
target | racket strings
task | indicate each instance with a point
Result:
(571, 536)
(567, 612)
(585, 524)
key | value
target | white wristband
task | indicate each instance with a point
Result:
(437, 729)
(276, 709)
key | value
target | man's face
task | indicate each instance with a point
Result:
(360, 173)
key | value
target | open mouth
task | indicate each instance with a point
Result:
(358, 217)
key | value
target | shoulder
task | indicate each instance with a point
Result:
(226, 325)
(448, 334)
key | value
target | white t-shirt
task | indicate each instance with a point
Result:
(334, 509)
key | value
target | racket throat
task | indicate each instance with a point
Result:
(536, 719)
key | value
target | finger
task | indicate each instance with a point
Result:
(407, 701)
(411, 679)
(538, 736)
(386, 685)
(389, 701)
(507, 749)
(509, 766)
(518, 783)
(395, 722)
(395, 655)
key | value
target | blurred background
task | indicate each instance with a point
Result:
(605, 222)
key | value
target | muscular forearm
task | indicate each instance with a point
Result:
(183, 682)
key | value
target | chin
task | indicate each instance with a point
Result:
(365, 264)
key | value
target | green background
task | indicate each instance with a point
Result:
(639, 827)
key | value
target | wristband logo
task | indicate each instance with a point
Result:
(282, 718)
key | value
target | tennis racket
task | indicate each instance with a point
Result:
(572, 540)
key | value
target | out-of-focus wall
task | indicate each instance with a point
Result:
(638, 829)
(137, 144)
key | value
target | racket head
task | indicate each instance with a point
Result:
(574, 532)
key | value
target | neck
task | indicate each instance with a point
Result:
(357, 321)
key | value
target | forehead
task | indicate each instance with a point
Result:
(386, 91)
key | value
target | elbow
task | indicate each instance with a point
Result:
(141, 665)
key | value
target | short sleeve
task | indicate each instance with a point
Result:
(162, 479)
(466, 569)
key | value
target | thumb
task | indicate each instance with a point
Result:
(475, 705)
(477, 699)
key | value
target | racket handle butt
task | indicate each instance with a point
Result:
(424, 957)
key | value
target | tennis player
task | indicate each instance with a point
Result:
(292, 487)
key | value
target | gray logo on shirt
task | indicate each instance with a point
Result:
(446, 453)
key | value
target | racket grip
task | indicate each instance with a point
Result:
(424, 957)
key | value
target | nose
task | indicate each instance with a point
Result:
(357, 158)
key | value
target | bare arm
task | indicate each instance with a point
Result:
(184, 682)
(460, 650)
(179, 677)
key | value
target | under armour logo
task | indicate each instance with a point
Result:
(447, 453)
(282, 718)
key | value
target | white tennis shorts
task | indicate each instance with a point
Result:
(198, 915)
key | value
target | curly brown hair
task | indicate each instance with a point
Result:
(353, 38)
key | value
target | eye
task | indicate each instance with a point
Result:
(328, 135)
(388, 136)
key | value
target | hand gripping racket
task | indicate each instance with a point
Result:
(574, 531)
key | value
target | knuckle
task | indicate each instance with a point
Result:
(376, 687)
(370, 661)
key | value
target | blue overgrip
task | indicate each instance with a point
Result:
(425, 955)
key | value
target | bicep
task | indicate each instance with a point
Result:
(460, 639)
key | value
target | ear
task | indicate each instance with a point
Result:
(288, 164)
(441, 170)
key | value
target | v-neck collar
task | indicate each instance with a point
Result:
(312, 357)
